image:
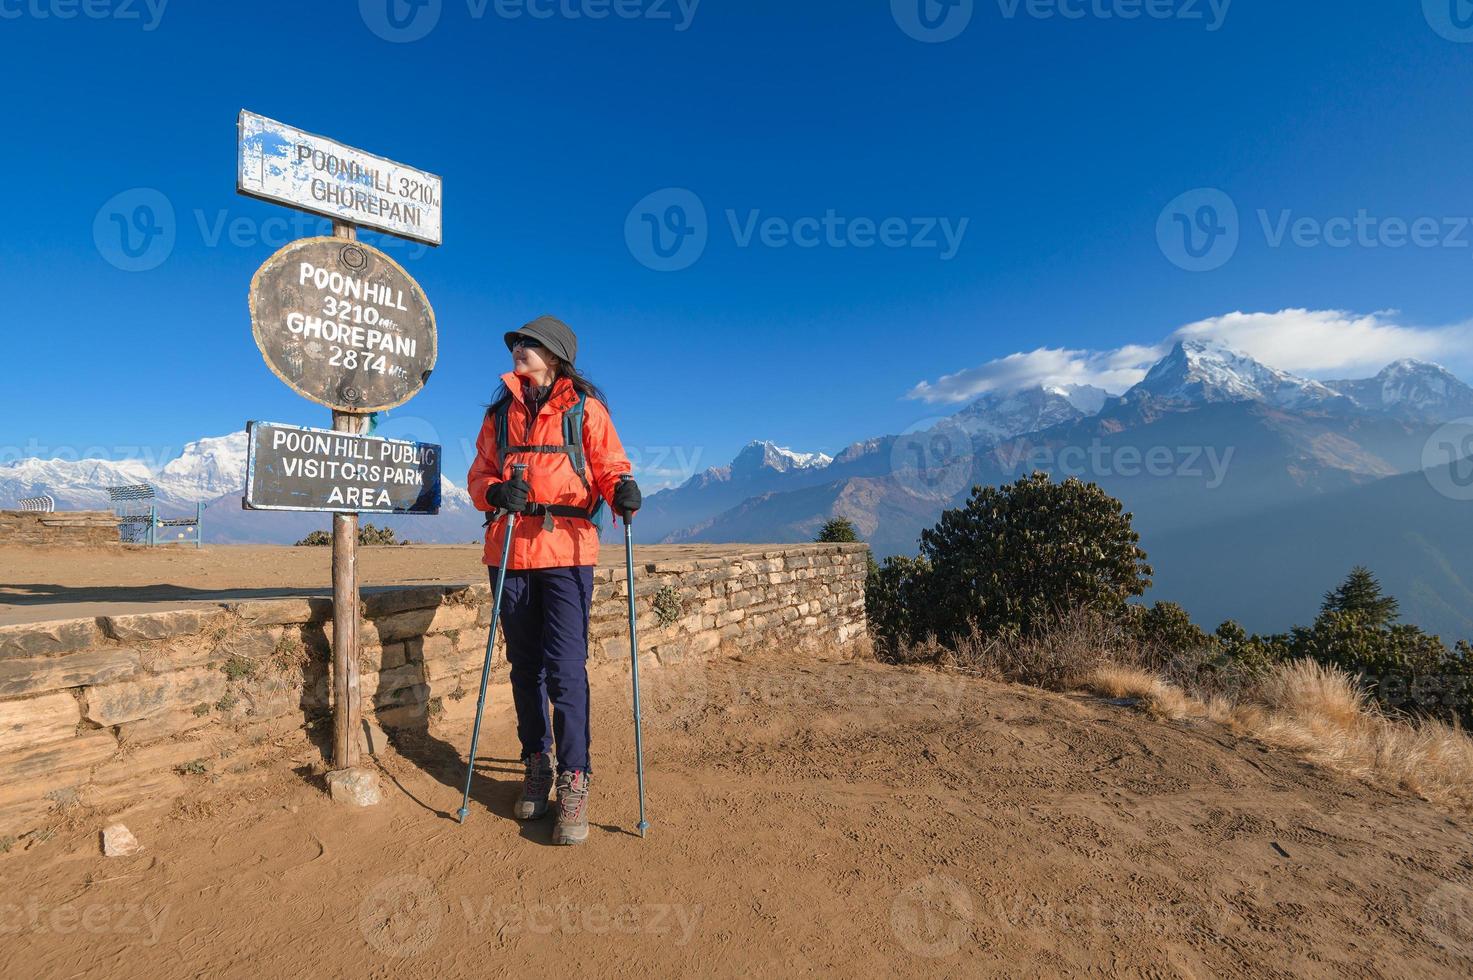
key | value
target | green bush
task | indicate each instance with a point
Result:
(895, 603)
(368, 534)
(837, 530)
(1019, 558)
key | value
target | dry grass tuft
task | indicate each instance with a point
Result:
(1318, 711)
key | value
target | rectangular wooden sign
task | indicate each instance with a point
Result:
(283, 164)
(289, 467)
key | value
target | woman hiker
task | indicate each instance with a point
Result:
(548, 416)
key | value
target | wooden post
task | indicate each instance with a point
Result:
(347, 717)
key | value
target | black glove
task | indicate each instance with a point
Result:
(511, 495)
(627, 498)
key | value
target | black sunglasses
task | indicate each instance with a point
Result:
(520, 341)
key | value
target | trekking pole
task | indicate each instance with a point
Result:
(644, 824)
(470, 769)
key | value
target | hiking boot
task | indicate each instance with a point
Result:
(536, 786)
(572, 808)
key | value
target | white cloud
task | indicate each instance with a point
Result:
(1314, 343)
(1113, 370)
(1328, 343)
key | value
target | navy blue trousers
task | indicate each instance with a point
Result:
(544, 617)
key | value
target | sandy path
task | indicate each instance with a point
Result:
(810, 817)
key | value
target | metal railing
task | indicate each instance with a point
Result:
(139, 521)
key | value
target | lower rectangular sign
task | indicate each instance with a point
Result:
(293, 468)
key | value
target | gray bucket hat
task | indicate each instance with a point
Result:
(554, 334)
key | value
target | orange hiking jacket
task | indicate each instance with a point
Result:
(571, 541)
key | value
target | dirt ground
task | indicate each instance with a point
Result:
(810, 817)
(37, 584)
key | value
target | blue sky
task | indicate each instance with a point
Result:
(1051, 146)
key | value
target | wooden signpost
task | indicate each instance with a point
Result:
(345, 326)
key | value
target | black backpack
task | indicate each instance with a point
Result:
(572, 447)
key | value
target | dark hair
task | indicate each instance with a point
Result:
(564, 370)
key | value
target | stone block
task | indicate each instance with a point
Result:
(34, 675)
(158, 625)
(118, 841)
(112, 704)
(379, 603)
(48, 639)
(31, 722)
(354, 787)
(283, 612)
(82, 752)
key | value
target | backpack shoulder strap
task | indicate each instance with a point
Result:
(573, 438)
(501, 416)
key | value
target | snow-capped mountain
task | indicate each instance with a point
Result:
(211, 471)
(763, 455)
(76, 484)
(996, 417)
(208, 468)
(1413, 390)
(1202, 371)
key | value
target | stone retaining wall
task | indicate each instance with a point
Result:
(105, 716)
(72, 527)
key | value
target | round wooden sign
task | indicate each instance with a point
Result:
(343, 324)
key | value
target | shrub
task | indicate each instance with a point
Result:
(368, 534)
(837, 530)
(668, 605)
(1019, 558)
(895, 604)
